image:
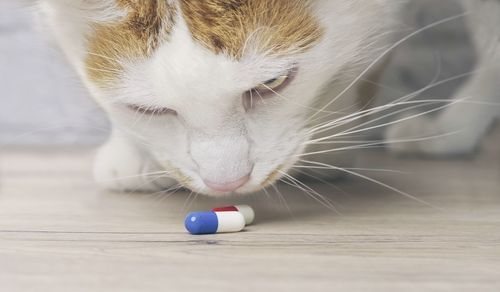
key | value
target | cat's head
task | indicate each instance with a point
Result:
(221, 92)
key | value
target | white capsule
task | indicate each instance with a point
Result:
(246, 210)
(230, 222)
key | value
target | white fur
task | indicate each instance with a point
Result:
(213, 138)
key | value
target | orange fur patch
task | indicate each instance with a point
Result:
(275, 26)
(142, 30)
(272, 178)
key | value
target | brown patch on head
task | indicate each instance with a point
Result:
(275, 26)
(145, 26)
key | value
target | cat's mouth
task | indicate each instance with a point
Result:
(262, 174)
(251, 183)
(248, 184)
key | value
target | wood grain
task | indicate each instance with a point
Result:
(59, 233)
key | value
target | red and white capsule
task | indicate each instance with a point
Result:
(247, 212)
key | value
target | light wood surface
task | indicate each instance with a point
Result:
(59, 233)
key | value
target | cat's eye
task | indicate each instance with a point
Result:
(269, 88)
(147, 110)
(273, 86)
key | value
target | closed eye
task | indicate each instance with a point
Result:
(150, 110)
(275, 85)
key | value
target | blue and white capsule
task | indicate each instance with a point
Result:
(214, 222)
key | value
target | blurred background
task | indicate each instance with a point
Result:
(403, 224)
(43, 103)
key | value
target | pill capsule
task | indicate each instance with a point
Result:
(246, 210)
(214, 222)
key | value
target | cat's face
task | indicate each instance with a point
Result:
(221, 92)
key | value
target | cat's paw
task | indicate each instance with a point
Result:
(427, 136)
(120, 167)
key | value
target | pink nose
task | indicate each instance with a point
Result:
(227, 186)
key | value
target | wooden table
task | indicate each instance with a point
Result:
(59, 233)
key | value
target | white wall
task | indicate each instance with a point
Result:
(42, 102)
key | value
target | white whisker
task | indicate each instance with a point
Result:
(309, 191)
(351, 168)
(380, 144)
(385, 53)
(281, 197)
(376, 182)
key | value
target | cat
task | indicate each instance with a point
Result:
(230, 96)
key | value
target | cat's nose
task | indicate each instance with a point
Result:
(227, 186)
